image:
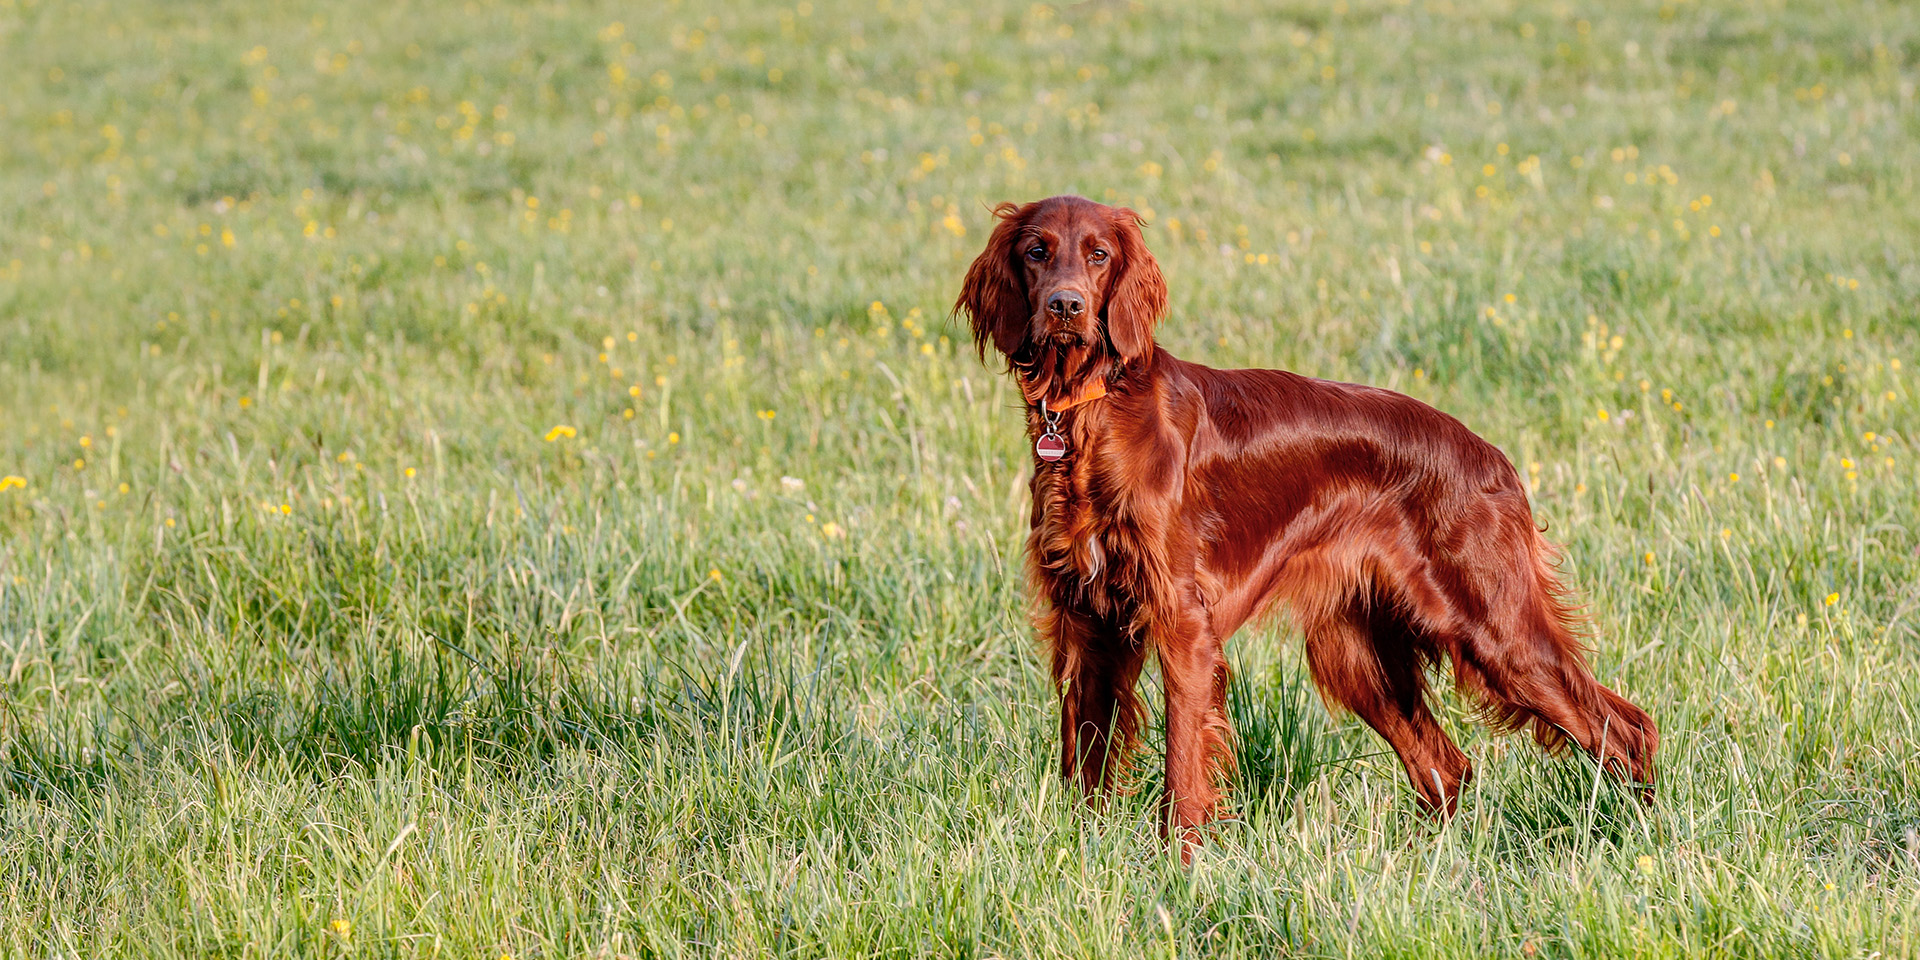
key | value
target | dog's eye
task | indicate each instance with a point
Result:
(1037, 253)
(1099, 256)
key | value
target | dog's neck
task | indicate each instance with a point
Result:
(1066, 377)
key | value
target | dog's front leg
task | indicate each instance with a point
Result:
(1194, 671)
(1095, 669)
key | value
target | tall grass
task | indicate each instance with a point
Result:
(501, 479)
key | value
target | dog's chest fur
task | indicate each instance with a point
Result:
(1086, 552)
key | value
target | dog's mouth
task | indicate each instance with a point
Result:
(1055, 334)
(1056, 359)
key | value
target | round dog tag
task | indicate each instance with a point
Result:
(1050, 447)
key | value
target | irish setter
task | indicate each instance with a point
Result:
(1173, 502)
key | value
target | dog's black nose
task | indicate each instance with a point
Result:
(1066, 305)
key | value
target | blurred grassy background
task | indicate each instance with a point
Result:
(493, 477)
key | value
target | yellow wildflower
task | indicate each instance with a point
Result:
(560, 430)
(10, 481)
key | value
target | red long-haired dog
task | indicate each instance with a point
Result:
(1173, 502)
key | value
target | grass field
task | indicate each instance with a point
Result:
(499, 480)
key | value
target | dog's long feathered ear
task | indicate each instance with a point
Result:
(995, 295)
(1138, 296)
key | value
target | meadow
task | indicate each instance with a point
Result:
(490, 479)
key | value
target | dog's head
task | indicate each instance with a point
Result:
(1065, 287)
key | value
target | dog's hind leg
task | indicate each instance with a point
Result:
(1366, 659)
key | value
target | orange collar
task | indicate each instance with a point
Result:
(1093, 391)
